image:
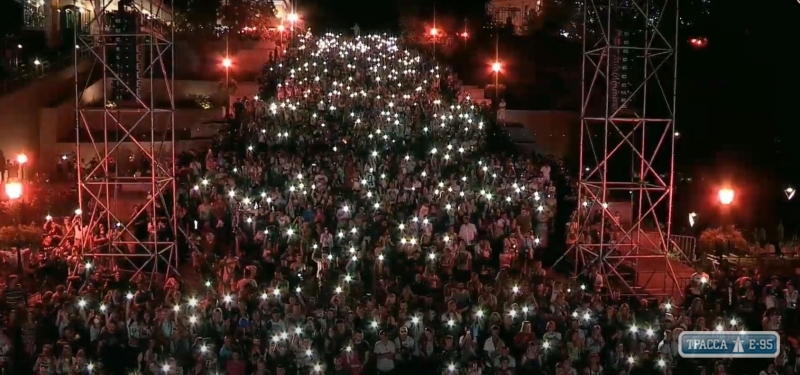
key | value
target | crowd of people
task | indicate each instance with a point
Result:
(360, 216)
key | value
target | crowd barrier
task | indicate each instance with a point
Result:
(777, 265)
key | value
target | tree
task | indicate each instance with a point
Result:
(20, 236)
(560, 16)
(198, 18)
(726, 240)
(238, 14)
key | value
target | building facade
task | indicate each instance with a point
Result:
(59, 20)
(514, 12)
(282, 9)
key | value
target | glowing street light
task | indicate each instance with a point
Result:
(698, 42)
(227, 63)
(434, 32)
(281, 28)
(725, 196)
(789, 193)
(293, 17)
(14, 190)
(496, 66)
(21, 160)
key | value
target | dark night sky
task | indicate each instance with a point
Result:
(737, 103)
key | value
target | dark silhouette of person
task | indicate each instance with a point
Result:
(2, 167)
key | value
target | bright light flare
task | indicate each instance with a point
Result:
(698, 42)
(496, 67)
(226, 62)
(725, 196)
(294, 17)
(692, 219)
(13, 190)
(434, 32)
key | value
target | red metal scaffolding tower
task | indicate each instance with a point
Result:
(627, 143)
(127, 146)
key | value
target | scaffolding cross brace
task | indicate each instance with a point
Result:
(128, 145)
(627, 141)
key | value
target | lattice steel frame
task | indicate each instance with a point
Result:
(651, 185)
(96, 186)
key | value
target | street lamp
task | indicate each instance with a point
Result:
(21, 160)
(14, 192)
(725, 196)
(496, 68)
(790, 191)
(293, 18)
(434, 33)
(281, 29)
(226, 63)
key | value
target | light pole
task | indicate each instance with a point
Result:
(496, 68)
(227, 63)
(465, 35)
(434, 34)
(21, 160)
(14, 192)
(293, 18)
(725, 197)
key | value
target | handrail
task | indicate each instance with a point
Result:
(23, 77)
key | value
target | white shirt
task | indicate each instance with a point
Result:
(388, 347)
(467, 232)
(408, 343)
(545, 172)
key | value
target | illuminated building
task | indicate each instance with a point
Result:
(59, 20)
(514, 12)
(282, 9)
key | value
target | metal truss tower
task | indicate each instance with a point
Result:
(627, 143)
(125, 140)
